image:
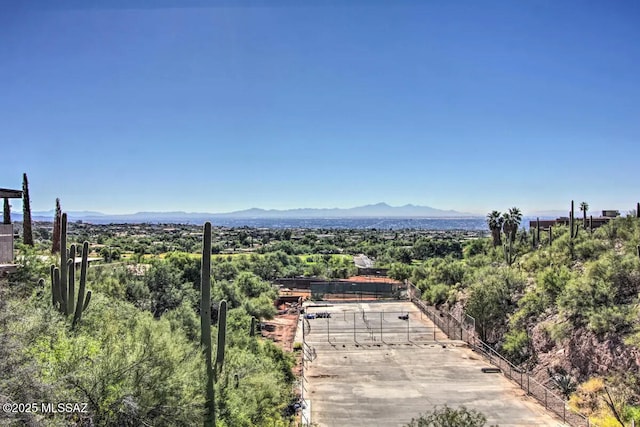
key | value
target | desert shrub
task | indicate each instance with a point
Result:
(399, 271)
(559, 331)
(476, 247)
(185, 319)
(552, 281)
(437, 294)
(612, 280)
(449, 417)
(590, 249)
(490, 301)
(532, 304)
(610, 319)
(601, 401)
(260, 307)
(129, 367)
(516, 345)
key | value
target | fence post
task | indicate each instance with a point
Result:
(354, 327)
(328, 336)
(521, 382)
(408, 338)
(381, 317)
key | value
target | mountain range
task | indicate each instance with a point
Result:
(378, 210)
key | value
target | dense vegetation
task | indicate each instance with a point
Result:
(562, 304)
(135, 357)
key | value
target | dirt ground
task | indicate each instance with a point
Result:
(281, 330)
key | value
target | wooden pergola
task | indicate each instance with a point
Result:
(6, 231)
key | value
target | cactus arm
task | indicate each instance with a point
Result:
(71, 266)
(222, 334)
(80, 307)
(86, 301)
(56, 287)
(53, 286)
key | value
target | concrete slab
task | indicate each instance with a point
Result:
(387, 382)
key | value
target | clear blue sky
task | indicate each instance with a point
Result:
(467, 105)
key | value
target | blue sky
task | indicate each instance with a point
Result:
(461, 105)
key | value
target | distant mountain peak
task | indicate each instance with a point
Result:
(377, 210)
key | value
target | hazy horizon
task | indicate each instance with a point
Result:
(16, 210)
(470, 106)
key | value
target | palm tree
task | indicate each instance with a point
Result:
(584, 207)
(495, 221)
(512, 220)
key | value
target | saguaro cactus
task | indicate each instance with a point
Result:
(510, 254)
(63, 263)
(205, 328)
(63, 278)
(572, 222)
(571, 219)
(205, 324)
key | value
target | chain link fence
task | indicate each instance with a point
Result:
(465, 329)
(369, 327)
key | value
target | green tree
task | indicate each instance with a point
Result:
(399, 271)
(490, 300)
(252, 286)
(449, 417)
(495, 222)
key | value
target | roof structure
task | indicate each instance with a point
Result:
(6, 193)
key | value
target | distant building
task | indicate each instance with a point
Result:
(596, 222)
(6, 231)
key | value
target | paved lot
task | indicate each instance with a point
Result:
(382, 379)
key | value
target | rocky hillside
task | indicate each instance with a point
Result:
(564, 306)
